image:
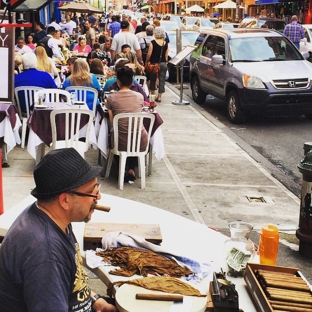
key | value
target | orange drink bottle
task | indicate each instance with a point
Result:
(268, 245)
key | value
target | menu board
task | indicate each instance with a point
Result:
(182, 54)
(7, 61)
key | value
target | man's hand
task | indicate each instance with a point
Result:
(101, 305)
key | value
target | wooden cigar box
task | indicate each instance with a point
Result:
(271, 288)
(94, 232)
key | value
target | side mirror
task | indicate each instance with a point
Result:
(217, 59)
(305, 54)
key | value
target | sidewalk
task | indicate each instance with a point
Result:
(205, 176)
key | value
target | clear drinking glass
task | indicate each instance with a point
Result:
(152, 102)
(239, 249)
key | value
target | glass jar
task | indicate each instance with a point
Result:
(239, 249)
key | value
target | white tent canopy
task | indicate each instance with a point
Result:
(228, 4)
(194, 8)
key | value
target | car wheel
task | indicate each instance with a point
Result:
(235, 112)
(198, 95)
(308, 116)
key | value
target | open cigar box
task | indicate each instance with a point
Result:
(94, 232)
(277, 288)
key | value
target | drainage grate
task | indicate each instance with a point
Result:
(256, 199)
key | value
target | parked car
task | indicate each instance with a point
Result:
(169, 25)
(187, 38)
(172, 18)
(270, 22)
(254, 70)
(197, 23)
(306, 43)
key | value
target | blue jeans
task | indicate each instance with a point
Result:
(297, 44)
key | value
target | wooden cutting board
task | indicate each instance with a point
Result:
(94, 232)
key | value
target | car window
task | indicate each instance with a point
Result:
(169, 25)
(220, 47)
(205, 22)
(190, 20)
(208, 49)
(262, 49)
(200, 39)
(188, 38)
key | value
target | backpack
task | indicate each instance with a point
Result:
(144, 50)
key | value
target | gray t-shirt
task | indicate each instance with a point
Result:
(125, 38)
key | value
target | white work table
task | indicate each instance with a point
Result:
(180, 235)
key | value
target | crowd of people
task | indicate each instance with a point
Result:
(106, 38)
(90, 52)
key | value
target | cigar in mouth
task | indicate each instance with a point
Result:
(102, 208)
(175, 298)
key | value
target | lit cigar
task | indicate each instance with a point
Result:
(175, 298)
(102, 208)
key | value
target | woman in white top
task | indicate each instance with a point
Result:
(46, 64)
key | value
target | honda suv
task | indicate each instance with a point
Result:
(254, 70)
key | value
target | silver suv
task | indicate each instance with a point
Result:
(254, 70)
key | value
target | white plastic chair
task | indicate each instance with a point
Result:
(29, 98)
(135, 122)
(71, 129)
(53, 96)
(142, 80)
(81, 94)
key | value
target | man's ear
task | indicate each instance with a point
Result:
(64, 200)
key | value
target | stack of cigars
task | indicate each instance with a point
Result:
(285, 291)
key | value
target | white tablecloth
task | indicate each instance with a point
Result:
(35, 145)
(11, 136)
(180, 235)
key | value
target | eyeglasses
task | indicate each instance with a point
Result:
(87, 194)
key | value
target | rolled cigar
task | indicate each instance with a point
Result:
(288, 299)
(292, 304)
(295, 293)
(283, 286)
(175, 298)
(286, 307)
(102, 208)
(260, 271)
(292, 279)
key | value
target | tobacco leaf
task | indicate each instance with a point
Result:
(138, 261)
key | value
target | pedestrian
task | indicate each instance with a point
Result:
(126, 37)
(157, 54)
(90, 33)
(40, 261)
(294, 31)
(146, 40)
(113, 27)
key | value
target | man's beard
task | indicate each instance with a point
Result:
(88, 218)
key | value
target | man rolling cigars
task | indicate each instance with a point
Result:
(40, 261)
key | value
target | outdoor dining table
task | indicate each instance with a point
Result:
(180, 235)
(40, 132)
(9, 128)
(102, 131)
